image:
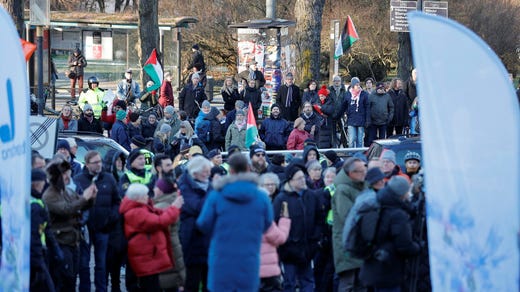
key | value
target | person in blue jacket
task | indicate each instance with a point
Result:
(236, 214)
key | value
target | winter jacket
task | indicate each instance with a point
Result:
(80, 59)
(128, 91)
(394, 236)
(174, 277)
(103, 216)
(195, 244)
(344, 197)
(275, 132)
(410, 91)
(290, 110)
(72, 125)
(272, 238)
(306, 222)
(191, 98)
(174, 123)
(296, 139)
(230, 97)
(166, 94)
(148, 129)
(358, 113)
(236, 214)
(337, 99)
(84, 125)
(367, 199)
(381, 109)
(328, 123)
(197, 59)
(119, 133)
(236, 136)
(401, 110)
(148, 236)
(65, 208)
(109, 163)
(313, 120)
(148, 99)
(254, 96)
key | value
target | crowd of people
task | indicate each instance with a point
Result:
(252, 223)
(178, 218)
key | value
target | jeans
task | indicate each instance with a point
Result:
(100, 242)
(302, 272)
(376, 132)
(355, 136)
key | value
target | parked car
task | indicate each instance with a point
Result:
(399, 144)
(92, 141)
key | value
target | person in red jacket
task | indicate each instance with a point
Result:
(147, 231)
(166, 92)
(299, 135)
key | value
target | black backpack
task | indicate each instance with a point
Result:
(361, 239)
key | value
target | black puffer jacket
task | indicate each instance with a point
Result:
(307, 217)
(394, 238)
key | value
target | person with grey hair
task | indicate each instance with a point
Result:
(315, 179)
(147, 231)
(191, 97)
(338, 94)
(194, 186)
(271, 183)
(349, 182)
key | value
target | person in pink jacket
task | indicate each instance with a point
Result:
(299, 135)
(270, 279)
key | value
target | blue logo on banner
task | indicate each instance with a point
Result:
(7, 130)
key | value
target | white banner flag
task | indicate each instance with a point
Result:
(470, 132)
(15, 155)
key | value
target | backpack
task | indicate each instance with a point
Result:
(203, 131)
(360, 241)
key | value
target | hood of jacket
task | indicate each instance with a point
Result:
(242, 187)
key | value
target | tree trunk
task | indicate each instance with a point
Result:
(404, 56)
(148, 32)
(308, 39)
(15, 9)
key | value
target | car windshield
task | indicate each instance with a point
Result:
(102, 146)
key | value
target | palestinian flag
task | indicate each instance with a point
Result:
(153, 68)
(252, 130)
(348, 37)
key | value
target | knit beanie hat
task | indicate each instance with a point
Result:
(354, 81)
(165, 128)
(120, 115)
(195, 75)
(374, 175)
(293, 167)
(275, 105)
(139, 141)
(133, 155)
(165, 186)
(87, 107)
(254, 149)
(195, 149)
(331, 155)
(399, 185)
(213, 153)
(63, 144)
(412, 155)
(169, 110)
(134, 117)
(323, 91)
(232, 149)
(388, 155)
(206, 104)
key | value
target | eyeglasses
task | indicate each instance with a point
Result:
(259, 154)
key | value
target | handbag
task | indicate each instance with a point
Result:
(70, 74)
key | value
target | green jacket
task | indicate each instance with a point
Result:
(342, 201)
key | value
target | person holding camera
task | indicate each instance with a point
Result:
(77, 63)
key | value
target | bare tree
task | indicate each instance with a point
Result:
(148, 31)
(15, 9)
(307, 38)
